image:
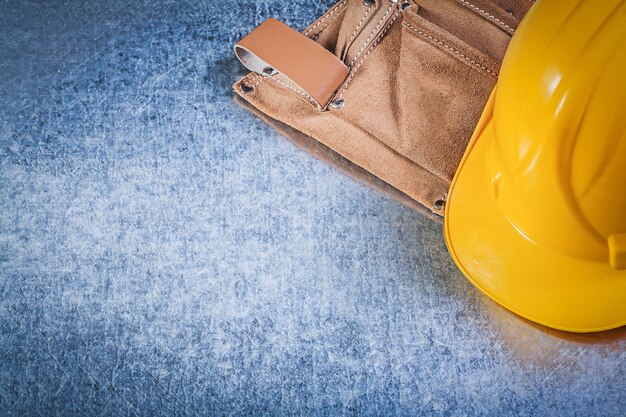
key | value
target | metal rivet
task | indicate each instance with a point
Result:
(269, 71)
(337, 104)
(405, 5)
(440, 204)
(369, 3)
(246, 89)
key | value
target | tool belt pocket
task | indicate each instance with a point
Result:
(428, 85)
(396, 88)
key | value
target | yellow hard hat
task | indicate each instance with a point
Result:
(536, 214)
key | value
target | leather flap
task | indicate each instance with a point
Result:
(274, 48)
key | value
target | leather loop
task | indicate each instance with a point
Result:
(274, 47)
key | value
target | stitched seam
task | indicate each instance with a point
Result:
(358, 26)
(297, 90)
(353, 72)
(258, 82)
(488, 16)
(334, 9)
(327, 24)
(260, 79)
(437, 41)
(372, 34)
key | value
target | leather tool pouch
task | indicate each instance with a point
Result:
(394, 87)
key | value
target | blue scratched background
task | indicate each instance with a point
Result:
(164, 252)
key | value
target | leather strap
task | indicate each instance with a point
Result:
(274, 48)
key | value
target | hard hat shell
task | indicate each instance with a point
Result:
(536, 214)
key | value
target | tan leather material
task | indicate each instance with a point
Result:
(419, 77)
(476, 31)
(275, 47)
(503, 14)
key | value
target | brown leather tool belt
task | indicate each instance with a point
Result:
(395, 87)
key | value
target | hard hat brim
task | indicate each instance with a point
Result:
(532, 281)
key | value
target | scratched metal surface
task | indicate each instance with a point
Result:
(164, 251)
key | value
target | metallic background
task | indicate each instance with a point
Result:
(163, 251)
